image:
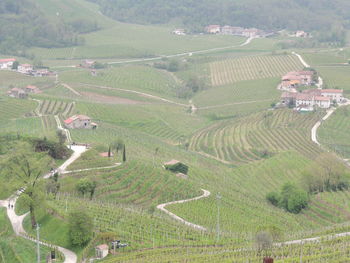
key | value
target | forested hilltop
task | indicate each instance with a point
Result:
(24, 24)
(311, 15)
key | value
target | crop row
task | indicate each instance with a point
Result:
(257, 136)
(249, 68)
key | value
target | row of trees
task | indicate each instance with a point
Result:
(326, 173)
(311, 15)
(23, 24)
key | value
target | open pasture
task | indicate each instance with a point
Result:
(257, 136)
(336, 77)
(249, 68)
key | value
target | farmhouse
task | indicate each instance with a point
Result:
(25, 68)
(102, 251)
(250, 32)
(334, 94)
(288, 98)
(17, 93)
(179, 32)
(302, 34)
(32, 89)
(7, 63)
(79, 122)
(297, 78)
(213, 29)
(88, 63)
(310, 100)
(230, 30)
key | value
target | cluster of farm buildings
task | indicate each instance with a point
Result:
(79, 122)
(22, 93)
(237, 31)
(27, 69)
(307, 99)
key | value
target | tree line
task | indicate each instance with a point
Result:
(23, 24)
(328, 17)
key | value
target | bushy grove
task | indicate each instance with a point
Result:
(291, 198)
(23, 24)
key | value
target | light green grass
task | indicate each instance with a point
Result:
(334, 133)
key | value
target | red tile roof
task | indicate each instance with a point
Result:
(332, 91)
(172, 162)
(7, 60)
(321, 98)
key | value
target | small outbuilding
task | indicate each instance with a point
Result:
(176, 166)
(102, 251)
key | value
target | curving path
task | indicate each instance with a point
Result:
(162, 208)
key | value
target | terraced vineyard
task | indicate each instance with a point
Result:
(54, 107)
(249, 68)
(139, 184)
(16, 108)
(257, 136)
(332, 251)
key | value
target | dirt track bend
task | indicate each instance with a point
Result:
(162, 208)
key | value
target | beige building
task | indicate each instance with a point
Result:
(102, 251)
(334, 94)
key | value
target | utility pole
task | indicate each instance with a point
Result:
(218, 197)
(38, 242)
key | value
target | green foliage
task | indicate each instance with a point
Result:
(195, 14)
(23, 24)
(85, 186)
(326, 173)
(273, 198)
(291, 198)
(54, 149)
(177, 168)
(80, 228)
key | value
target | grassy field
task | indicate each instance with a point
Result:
(16, 249)
(249, 68)
(334, 133)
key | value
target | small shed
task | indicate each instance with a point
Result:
(102, 251)
(176, 166)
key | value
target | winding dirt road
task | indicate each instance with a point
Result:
(17, 221)
(161, 207)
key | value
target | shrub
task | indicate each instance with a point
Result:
(291, 198)
(273, 198)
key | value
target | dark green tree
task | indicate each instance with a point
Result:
(80, 227)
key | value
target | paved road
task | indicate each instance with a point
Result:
(190, 53)
(162, 208)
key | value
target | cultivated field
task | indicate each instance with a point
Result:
(335, 132)
(257, 136)
(249, 68)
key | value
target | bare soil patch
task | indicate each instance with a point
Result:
(109, 99)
